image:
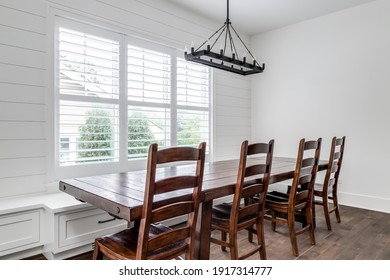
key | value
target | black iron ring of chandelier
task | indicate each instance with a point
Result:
(221, 60)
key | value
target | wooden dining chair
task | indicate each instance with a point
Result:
(328, 189)
(152, 239)
(283, 207)
(244, 212)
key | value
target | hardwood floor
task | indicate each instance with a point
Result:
(361, 235)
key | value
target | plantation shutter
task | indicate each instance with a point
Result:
(193, 103)
(149, 100)
(88, 71)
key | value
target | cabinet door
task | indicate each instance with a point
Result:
(83, 227)
(19, 230)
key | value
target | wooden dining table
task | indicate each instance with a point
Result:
(122, 194)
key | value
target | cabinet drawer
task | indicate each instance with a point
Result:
(83, 227)
(19, 230)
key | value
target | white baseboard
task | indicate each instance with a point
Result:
(366, 202)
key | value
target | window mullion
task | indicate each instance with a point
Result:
(173, 130)
(123, 104)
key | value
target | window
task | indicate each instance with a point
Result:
(117, 95)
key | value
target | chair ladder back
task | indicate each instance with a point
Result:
(334, 164)
(305, 172)
(185, 204)
(263, 170)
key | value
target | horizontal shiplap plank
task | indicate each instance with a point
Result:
(22, 38)
(22, 20)
(22, 148)
(228, 152)
(21, 75)
(22, 57)
(234, 101)
(230, 91)
(234, 141)
(22, 167)
(22, 112)
(22, 93)
(22, 185)
(233, 130)
(233, 121)
(235, 81)
(37, 7)
(232, 111)
(22, 130)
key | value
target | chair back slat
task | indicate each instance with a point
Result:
(305, 179)
(177, 154)
(336, 155)
(248, 211)
(172, 210)
(175, 183)
(308, 162)
(331, 182)
(252, 190)
(302, 196)
(258, 148)
(335, 167)
(311, 145)
(168, 238)
(255, 170)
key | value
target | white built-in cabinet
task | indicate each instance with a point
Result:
(54, 225)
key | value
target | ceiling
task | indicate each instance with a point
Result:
(256, 16)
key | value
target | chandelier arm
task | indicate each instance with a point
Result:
(234, 45)
(238, 36)
(226, 35)
(216, 40)
(210, 37)
(231, 41)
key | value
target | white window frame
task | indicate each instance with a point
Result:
(60, 172)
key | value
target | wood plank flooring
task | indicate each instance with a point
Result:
(361, 235)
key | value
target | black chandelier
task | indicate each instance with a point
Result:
(221, 60)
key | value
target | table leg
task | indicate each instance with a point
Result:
(204, 231)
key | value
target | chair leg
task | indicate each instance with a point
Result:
(325, 207)
(97, 254)
(293, 237)
(261, 239)
(250, 236)
(336, 206)
(273, 223)
(309, 220)
(233, 245)
(223, 238)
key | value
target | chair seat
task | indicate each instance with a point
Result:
(279, 201)
(221, 215)
(123, 244)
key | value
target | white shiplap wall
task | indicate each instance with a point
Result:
(25, 119)
(22, 97)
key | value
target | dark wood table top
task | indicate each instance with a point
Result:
(122, 194)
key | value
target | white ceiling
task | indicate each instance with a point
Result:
(255, 16)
